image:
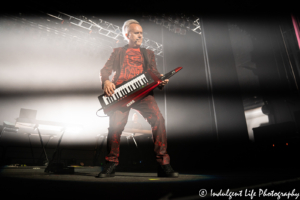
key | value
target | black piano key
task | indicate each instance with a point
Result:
(128, 91)
(118, 95)
(132, 88)
(132, 84)
(140, 83)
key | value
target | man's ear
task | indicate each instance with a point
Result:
(127, 35)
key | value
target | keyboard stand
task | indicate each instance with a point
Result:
(36, 127)
(56, 167)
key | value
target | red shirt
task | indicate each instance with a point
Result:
(132, 65)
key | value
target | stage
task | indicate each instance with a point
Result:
(231, 115)
(33, 182)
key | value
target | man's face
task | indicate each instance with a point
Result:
(135, 35)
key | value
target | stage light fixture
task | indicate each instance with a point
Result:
(172, 28)
(188, 26)
(159, 21)
(152, 18)
(177, 29)
(166, 24)
(176, 21)
(182, 32)
(182, 22)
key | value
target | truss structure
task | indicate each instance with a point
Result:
(106, 29)
(196, 28)
(177, 23)
(71, 40)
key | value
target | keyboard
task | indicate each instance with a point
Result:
(132, 90)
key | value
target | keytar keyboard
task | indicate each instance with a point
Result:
(132, 90)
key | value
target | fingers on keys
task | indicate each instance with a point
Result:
(110, 89)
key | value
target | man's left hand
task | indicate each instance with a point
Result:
(165, 82)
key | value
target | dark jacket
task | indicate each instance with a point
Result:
(115, 62)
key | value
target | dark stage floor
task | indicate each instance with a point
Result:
(33, 182)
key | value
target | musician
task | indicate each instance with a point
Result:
(134, 124)
(127, 62)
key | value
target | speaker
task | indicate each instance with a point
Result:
(275, 132)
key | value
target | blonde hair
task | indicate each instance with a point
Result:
(126, 26)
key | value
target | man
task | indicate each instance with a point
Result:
(134, 124)
(127, 62)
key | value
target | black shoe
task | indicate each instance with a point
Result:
(108, 170)
(166, 171)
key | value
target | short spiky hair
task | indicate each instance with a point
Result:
(126, 25)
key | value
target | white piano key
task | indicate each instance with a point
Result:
(139, 80)
(107, 99)
(104, 99)
(127, 87)
(114, 96)
(119, 92)
(136, 84)
(132, 87)
(132, 84)
(122, 89)
(144, 78)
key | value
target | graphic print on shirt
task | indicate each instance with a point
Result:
(132, 65)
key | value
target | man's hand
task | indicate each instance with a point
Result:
(109, 88)
(165, 82)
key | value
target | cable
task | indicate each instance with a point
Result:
(98, 111)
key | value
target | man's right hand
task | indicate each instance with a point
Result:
(109, 88)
